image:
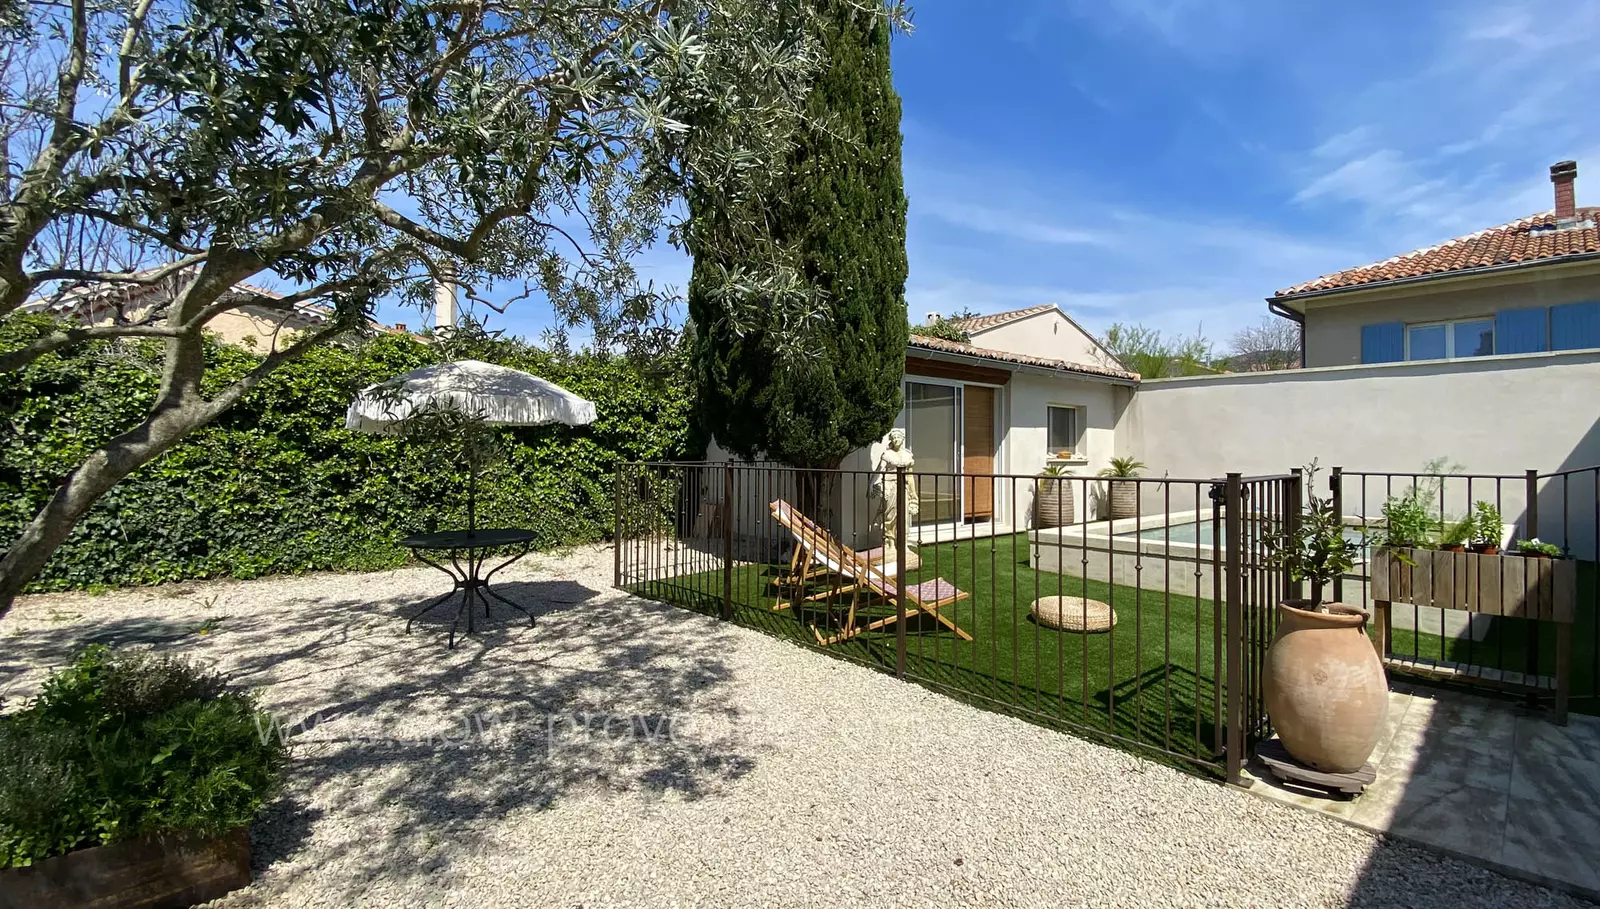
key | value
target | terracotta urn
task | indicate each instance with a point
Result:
(1324, 686)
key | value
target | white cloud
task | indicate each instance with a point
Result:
(1461, 141)
(990, 220)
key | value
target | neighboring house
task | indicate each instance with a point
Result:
(261, 322)
(1526, 287)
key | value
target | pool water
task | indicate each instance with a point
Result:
(1200, 532)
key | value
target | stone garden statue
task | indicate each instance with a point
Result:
(894, 456)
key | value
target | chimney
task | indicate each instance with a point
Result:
(1563, 174)
(931, 318)
(399, 326)
(444, 299)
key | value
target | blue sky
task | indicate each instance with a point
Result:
(1173, 162)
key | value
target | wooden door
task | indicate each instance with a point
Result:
(977, 448)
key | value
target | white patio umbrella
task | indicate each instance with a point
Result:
(494, 394)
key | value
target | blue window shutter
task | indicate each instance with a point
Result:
(1383, 343)
(1574, 326)
(1521, 330)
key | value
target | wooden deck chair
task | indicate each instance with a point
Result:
(863, 580)
(804, 569)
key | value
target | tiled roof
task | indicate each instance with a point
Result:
(979, 323)
(1003, 356)
(1531, 239)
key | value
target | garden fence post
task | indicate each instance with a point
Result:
(1293, 508)
(727, 541)
(1233, 496)
(900, 574)
(616, 531)
(1336, 495)
(1532, 532)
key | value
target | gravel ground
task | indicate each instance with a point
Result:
(626, 753)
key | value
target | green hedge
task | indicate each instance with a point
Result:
(278, 485)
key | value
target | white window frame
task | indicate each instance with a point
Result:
(1450, 336)
(1077, 426)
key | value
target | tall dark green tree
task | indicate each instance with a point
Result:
(839, 222)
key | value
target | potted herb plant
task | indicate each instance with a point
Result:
(1324, 685)
(1124, 495)
(1457, 534)
(1535, 549)
(1407, 523)
(1053, 504)
(1487, 528)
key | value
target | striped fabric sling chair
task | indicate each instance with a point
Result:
(855, 582)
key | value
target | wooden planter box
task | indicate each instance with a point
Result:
(1515, 586)
(170, 872)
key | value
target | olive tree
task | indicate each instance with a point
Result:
(355, 151)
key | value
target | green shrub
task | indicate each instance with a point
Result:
(278, 484)
(119, 746)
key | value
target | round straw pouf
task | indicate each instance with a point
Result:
(1073, 614)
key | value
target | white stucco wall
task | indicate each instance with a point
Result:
(1049, 334)
(1491, 415)
(1494, 415)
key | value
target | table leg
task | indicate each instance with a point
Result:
(466, 606)
(487, 589)
(469, 580)
(436, 601)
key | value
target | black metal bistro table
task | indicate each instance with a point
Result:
(466, 552)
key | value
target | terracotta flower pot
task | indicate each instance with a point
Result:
(1324, 686)
(1486, 549)
(1053, 505)
(1454, 547)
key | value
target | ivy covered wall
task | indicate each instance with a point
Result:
(278, 485)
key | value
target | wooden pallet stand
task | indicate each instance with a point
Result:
(1277, 759)
(1514, 586)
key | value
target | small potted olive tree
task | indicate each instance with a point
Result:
(1332, 728)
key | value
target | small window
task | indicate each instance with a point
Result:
(1063, 429)
(1450, 340)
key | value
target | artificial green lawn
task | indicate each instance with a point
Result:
(1147, 680)
(1150, 680)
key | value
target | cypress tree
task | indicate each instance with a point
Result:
(841, 212)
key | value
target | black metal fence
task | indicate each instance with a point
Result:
(1499, 651)
(1134, 610)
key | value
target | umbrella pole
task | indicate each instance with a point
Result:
(470, 449)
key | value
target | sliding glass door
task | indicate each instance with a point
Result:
(933, 432)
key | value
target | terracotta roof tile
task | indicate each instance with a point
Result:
(979, 323)
(1004, 356)
(1532, 239)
